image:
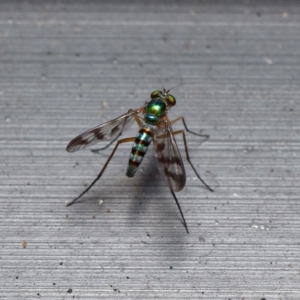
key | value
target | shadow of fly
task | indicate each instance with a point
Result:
(154, 125)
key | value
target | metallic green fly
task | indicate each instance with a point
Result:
(154, 125)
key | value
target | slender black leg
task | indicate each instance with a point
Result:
(105, 147)
(126, 140)
(178, 205)
(188, 158)
(206, 136)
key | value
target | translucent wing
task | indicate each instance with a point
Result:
(168, 157)
(103, 132)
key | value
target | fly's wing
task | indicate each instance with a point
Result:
(168, 157)
(103, 132)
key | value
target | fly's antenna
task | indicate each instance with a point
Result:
(158, 80)
(174, 87)
(165, 91)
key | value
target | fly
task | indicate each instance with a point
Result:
(154, 125)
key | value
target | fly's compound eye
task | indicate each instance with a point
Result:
(171, 100)
(156, 94)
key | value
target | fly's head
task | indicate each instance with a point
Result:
(158, 105)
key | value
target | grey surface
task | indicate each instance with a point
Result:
(66, 67)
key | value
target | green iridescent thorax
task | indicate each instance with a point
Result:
(155, 109)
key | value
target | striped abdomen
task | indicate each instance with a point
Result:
(139, 149)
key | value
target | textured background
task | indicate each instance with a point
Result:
(69, 66)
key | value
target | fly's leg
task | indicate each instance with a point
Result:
(105, 147)
(188, 158)
(126, 140)
(173, 193)
(206, 136)
(110, 143)
(178, 205)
